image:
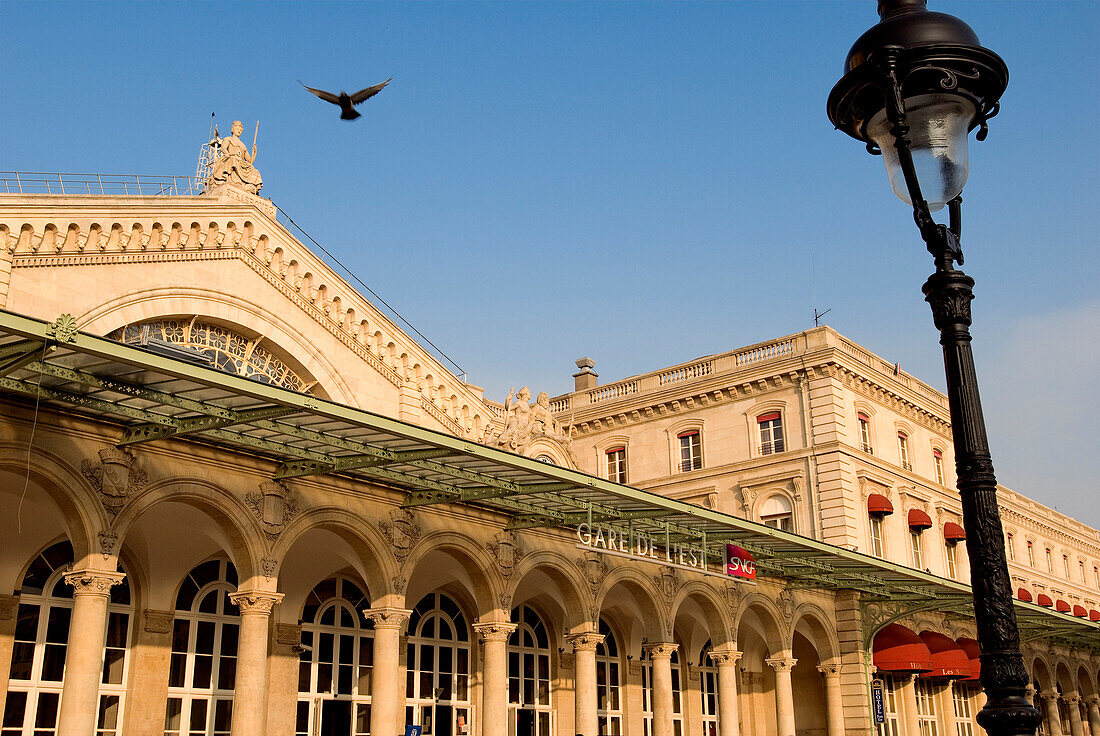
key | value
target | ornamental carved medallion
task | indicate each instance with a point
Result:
(594, 568)
(114, 478)
(507, 552)
(668, 582)
(402, 531)
(274, 506)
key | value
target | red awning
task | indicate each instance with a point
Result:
(919, 520)
(952, 532)
(970, 646)
(1062, 606)
(1080, 612)
(898, 649)
(948, 658)
(879, 505)
(1094, 615)
(1044, 600)
(1024, 595)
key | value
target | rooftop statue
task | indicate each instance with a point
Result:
(525, 423)
(232, 162)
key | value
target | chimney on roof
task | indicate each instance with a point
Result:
(585, 378)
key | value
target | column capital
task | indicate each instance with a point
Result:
(724, 656)
(1030, 691)
(781, 664)
(494, 630)
(388, 617)
(255, 601)
(829, 670)
(93, 582)
(661, 649)
(586, 641)
(1049, 696)
(1072, 698)
(1093, 700)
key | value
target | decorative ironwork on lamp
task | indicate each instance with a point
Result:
(914, 86)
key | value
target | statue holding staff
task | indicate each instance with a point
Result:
(235, 164)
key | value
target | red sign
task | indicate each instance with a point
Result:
(740, 563)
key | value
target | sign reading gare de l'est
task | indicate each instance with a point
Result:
(738, 562)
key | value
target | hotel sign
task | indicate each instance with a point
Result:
(637, 545)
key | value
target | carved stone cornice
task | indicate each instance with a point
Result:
(386, 617)
(256, 601)
(724, 657)
(585, 642)
(781, 664)
(93, 582)
(661, 650)
(158, 622)
(488, 631)
(8, 606)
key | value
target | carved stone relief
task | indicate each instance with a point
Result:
(594, 568)
(114, 477)
(274, 506)
(668, 582)
(158, 622)
(507, 551)
(402, 531)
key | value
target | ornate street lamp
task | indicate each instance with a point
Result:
(914, 87)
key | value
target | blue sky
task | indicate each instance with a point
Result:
(642, 183)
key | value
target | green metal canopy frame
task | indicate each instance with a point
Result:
(151, 398)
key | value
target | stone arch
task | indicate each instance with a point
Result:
(482, 588)
(573, 595)
(294, 348)
(1084, 681)
(1063, 678)
(809, 620)
(760, 613)
(713, 608)
(1040, 672)
(83, 514)
(640, 599)
(244, 540)
(378, 566)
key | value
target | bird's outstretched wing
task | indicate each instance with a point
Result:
(326, 96)
(365, 94)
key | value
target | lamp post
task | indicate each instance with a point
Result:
(915, 85)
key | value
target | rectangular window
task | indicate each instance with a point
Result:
(926, 708)
(1031, 554)
(964, 723)
(865, 433)
(891, 726)
(616, 465)
(916, 558)
(1081, 569)
(876, 536)
(1065, 564)
(691, 451)
(952, 561)
(1096, 575)
(771, 433)
(1050, 561)
(937, 463)
(903, 450)
(1010, 548)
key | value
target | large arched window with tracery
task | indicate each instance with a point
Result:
(708, 689)
(647, 695)
(437, 685)
(336, 662)
(227, 350)
(609, 702)
(529, 674)
(41, 644)
(203, 667)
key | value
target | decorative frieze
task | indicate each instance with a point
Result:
(157, 622)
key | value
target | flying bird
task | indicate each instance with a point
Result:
(347, 102)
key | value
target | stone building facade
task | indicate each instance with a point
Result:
(173, 573)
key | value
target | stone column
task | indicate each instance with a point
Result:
(784, 694)
(494, 676)
(250, 687)
(1093, 703)
(84, 656)
(660, 658)
(387, 694)
(1076, 726)
(728, 718)
(909, 698)
(834, 700)
(1050, 713)
(584, 655)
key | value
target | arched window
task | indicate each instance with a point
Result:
(647, 695)
(437, 686)
(777, 513)
(203, 668)
(41, 643)
(708, 688)
(529, 674)
(226, 350)
(609, 702)
(336, 662)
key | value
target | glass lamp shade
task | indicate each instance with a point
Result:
(938, 126)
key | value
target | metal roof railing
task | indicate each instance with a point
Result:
(153, 397)
(42, 182)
